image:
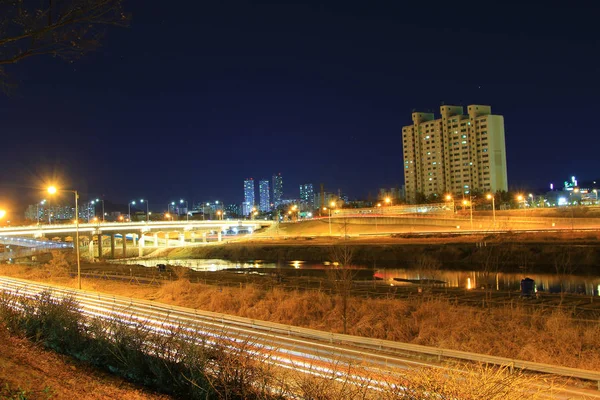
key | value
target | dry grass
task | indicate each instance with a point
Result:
(514, 332)
(29, 372)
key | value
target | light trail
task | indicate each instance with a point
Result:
(286, 346)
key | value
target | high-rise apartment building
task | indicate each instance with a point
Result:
(248, 196)
(455, 154)
(277, 189)
(307, 195)
(264, 197)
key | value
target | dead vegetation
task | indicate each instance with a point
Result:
(189, 365)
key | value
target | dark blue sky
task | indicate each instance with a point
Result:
(194, 97)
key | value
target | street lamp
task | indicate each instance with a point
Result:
(129, 210)
(450, 198)
(470, 203)
(491, 196)
(219, 214)
(168, 216)
(53, 190)
(41, 203)
(97, 201)
(147, 211)
(187, 215)
(388, 201)
(2, 214)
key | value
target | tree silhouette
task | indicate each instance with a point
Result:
(66, 29)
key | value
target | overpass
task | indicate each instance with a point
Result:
(142, 234)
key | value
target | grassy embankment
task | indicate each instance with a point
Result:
(210, 368)
(514, 330)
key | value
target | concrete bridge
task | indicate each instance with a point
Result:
(139, 234)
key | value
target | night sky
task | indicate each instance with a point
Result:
(193, 97)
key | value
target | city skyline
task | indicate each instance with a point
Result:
(322, 105)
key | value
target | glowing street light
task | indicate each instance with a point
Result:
(492, 197)
(449, 198)
(98, 201)
(219, 214)
(53, 190)
(41, 203)
(168, 217)
(388, 201)
(129, 209)
(2, 213)
(147, 211)
(187, 214)
(470, 204)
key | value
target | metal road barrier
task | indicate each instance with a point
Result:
(384, 352)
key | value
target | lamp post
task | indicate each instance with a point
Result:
(331, 205)
(470, 203)
(187, 214)
(97, 201)
(129, 210)
(53, 190)
(147, 211)
(491, 196)
(38, 210)
(219, 214)
(168, 216)
(450, 198)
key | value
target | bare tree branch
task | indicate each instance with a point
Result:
(67, 29)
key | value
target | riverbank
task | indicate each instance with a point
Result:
(555, 252)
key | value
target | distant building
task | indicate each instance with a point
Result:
(45, 214)
(277, 189)
(307, 196)
(394, 194)
(454, 154)
(264, 196)
(233, 210)
(248, 196)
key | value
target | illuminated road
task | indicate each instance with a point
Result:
(131, 227)
(302, 349)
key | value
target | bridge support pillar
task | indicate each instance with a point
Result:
(134, 237)
(204, 237)
(219, 236)
(100, 245)
(156, 240)
(193, 237)
(182, 239)
(112, 245)
(166, 239)
(124, 238)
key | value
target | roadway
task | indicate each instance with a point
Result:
(39, 230)
(307, 350)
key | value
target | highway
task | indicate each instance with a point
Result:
(308, 350)
(38, 230)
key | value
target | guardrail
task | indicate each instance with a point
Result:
(332, 338)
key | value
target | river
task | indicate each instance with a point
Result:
(583, 284)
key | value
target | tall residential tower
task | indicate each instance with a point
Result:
(277, 189)
(454, 154)
(248, 196)
(263, 191)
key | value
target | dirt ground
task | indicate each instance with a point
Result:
(27, 371)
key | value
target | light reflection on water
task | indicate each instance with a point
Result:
(589, 285)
